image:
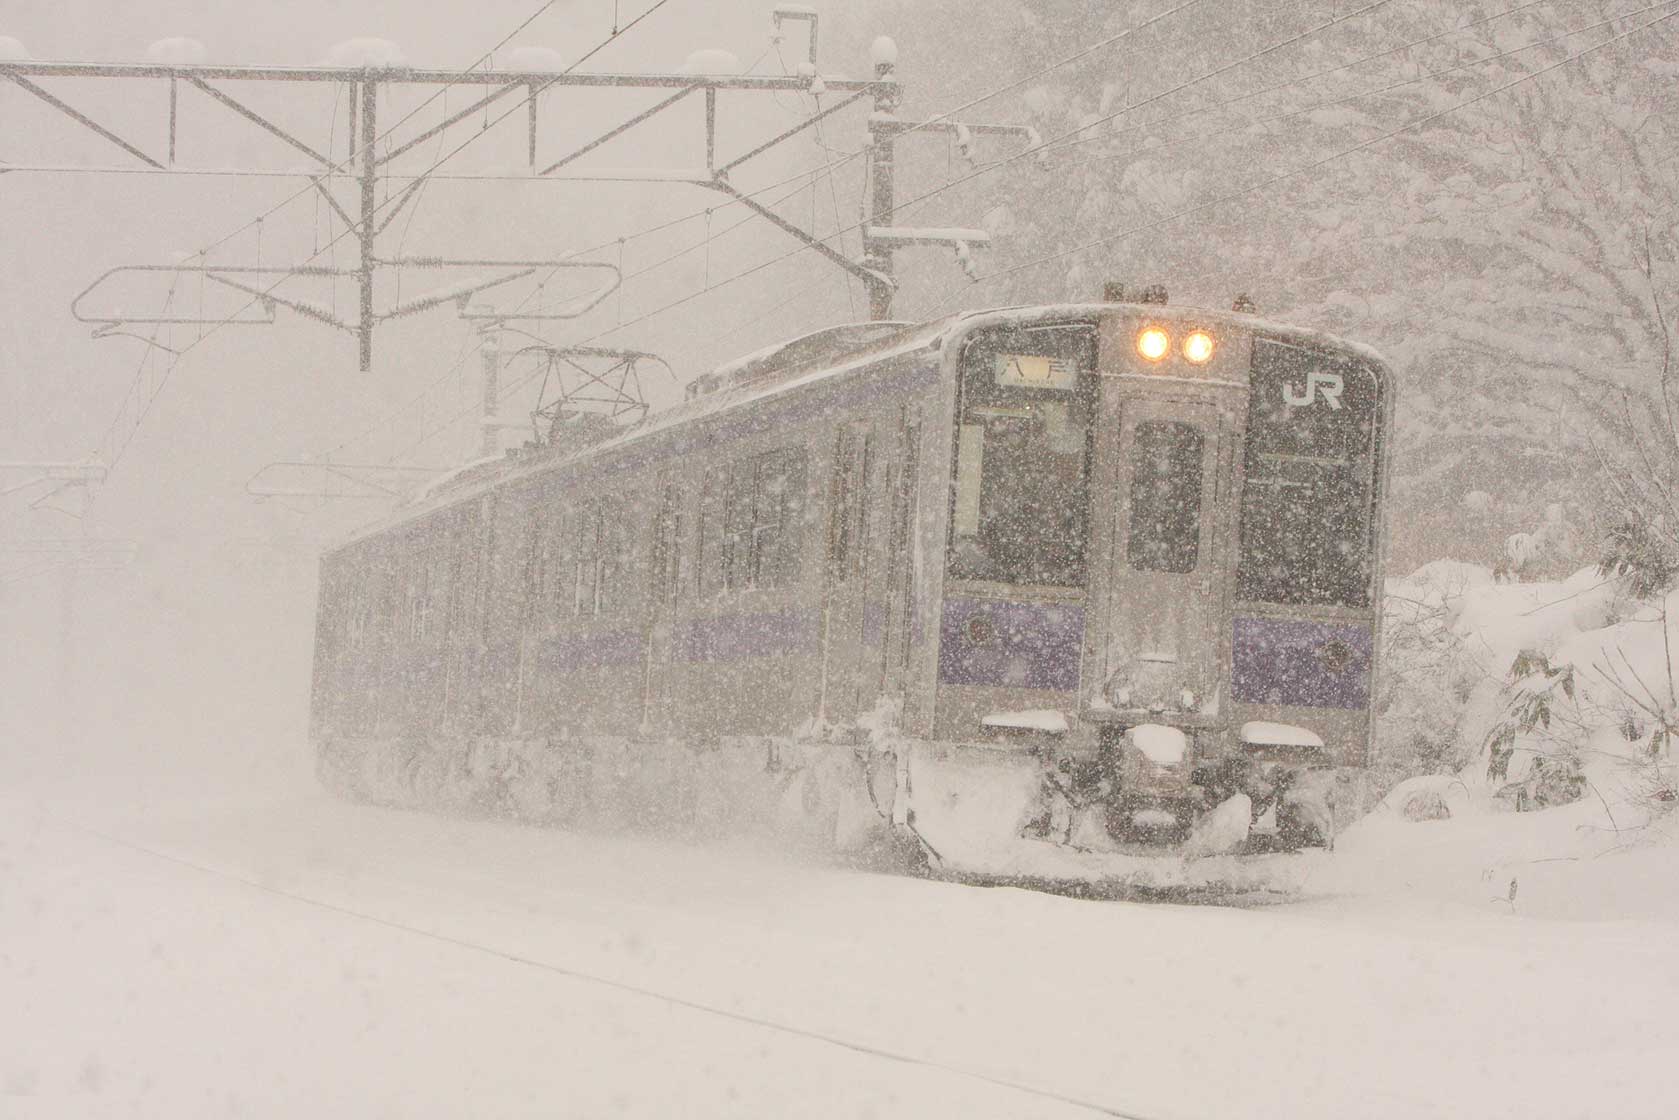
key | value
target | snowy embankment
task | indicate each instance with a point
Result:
(183, 946)
(291, 957)
(1549, 710)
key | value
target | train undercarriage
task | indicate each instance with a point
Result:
(1109, 825)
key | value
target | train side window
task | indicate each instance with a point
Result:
(708, 562)
(586, 563)
(848, 497)
(667, 546)
(558, 553)
(1166, 467)
(778, 516)
(357, 616)
(535, 570)
(611, 528)
(738, 524)
(428, 587)
(763, 512)
(461, 577)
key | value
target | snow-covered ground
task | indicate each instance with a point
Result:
(292, 955)
(244, 945)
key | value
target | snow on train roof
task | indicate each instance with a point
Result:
(448, 490)
(807, 369)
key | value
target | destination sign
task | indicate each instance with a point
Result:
(1037, 371)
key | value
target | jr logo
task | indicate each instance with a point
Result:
(1328, 384)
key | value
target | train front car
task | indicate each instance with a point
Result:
(1158, 619)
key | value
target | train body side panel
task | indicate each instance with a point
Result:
(542, 606)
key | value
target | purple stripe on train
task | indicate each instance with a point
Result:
(1309, 664)
(734, 637)
(726, 638)
(1011, 645)
(571, 652)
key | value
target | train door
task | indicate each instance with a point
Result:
(1159, 613)
(898, 583)
(847, 574)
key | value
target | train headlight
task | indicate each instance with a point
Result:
(1198, 347)
(1153, 343)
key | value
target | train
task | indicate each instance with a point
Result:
(1067, 593)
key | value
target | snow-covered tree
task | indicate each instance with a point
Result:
(1355, 167)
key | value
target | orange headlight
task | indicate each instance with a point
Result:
(1153, 343)
(1198, 347)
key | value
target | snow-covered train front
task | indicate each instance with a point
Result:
(1045, 591)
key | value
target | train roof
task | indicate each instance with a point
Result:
(805, 360)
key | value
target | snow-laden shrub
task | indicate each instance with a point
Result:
(1642, 549)
(1531, 694)
(1425, 679)
(1588, 700)
(1550, 551)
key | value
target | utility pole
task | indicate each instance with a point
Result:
(708, 168)
(491, 444)
(883, 131)
(369, 211)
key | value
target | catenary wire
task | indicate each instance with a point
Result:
(735, 277)
(349, 230)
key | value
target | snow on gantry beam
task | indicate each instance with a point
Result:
(889, 123)
(905, 235)
(413, 76)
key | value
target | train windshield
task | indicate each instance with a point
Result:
(1021, 503)
(1307, 505)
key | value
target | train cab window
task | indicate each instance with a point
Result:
(1309, 478)
(1020, 490)
(1165, 527)
(357, 618)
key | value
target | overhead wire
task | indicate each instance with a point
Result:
(342, 165)
(987, 96)
(1102, 44)
(1052, 146)
(626, 276)
(1278, 178)
(652, 266)
(899, 206)
(658, 4)
(1068, 60)
(118, 450)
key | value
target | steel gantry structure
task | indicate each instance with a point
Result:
(370, 153)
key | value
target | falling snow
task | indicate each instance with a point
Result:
(1082, 559)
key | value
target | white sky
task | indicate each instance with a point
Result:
(247, 397)
(252, 395)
